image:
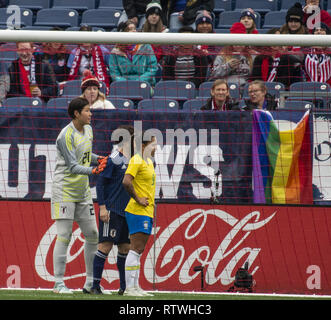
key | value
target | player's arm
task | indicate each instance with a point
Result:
(128, 186)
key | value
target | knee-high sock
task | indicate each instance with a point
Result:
(90, 249)
(121, 257)
(132, 265)
(60, 258)
(98, 266)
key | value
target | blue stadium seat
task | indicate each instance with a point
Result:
(298, 105)
(131, 89)
(93, 29)
(31, 102)
(317, 102)
(158, 105)
(274, 88)
(104, 18)
(74, 4)
(8, 52)
(31, 4)
(274, 19)
(286, 4)
(228, 18)
(261, 6)
(26, 18)
(122, 103)
(175, 89)
(193, 104)
(57, 17)
(72, 88)
(59, 103)
(222, 5)
(310, 86)
(113, 4)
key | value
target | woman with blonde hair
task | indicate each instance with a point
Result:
(91, 92)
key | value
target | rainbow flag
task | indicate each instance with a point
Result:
(282, 165)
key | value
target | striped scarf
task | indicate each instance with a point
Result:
(318, 67)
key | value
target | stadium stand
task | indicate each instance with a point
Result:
(23, 102)
(132, 89)
(104, 18)
(228, 18)
(26, 18)
(122, 103)
(57, 17)
(179, 90)
(33, 5)
(158, 105)
(80, 5)
(261, 6)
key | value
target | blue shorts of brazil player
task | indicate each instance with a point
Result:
(138, 223)
(115, 231)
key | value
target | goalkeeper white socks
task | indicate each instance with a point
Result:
(132, 266)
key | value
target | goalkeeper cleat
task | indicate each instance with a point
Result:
(60, 287)
(120, 292)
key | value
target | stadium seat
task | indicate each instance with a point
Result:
(222, 5)
(274, 88)
(261, 6)
(158, 105)
(113, 4)
(58, 103)
(131, 89)
(8, 52)
(122, 103)
(175, 89)
(8, 19)
(93, 29)
(104, 18)
(298, 105)
(286, 4)
(72, 88)
(310, 86)
(74, 4)
(31, 4)
(274, 19)
(23, 102)
(228, 18)
(318, 102)
(193, 104)
(57, 17)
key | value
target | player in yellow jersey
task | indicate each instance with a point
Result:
(139, 182)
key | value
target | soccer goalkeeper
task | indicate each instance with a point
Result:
(71, 198)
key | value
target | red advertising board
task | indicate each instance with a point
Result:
(287, 247)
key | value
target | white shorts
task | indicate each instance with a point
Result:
(76, 211)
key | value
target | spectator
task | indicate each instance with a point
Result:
(55, 54)
(132, 62)
(233, 63)
(29, 75)
(133, 11)
(294, 21)
(309, 9)
(91, 92)
(248, 19)
(186, 62)
(89, 56)
(185, 12)
(220, 99)
(154, 23)
(275, 65)
(204, 24)
(317, 63)
(259, 98)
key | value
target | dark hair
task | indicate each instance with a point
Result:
(76, 104)
(186, 29)
(123, 25)
(85, 27)
(123, 138)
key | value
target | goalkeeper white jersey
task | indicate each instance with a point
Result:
(73, 159)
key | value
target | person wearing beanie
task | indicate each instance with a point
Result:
(294, 21)
(309, 9)
(154, 23)
(204, 22)
(248, 19)
(91, 92)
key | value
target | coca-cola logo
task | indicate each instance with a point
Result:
(212, 238)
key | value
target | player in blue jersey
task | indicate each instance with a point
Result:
(112, 200)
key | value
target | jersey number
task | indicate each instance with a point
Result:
(86, 157)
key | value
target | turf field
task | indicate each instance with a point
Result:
(39, 294)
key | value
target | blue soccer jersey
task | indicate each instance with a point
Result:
(110, 191)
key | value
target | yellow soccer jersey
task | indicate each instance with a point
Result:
(144, 185)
